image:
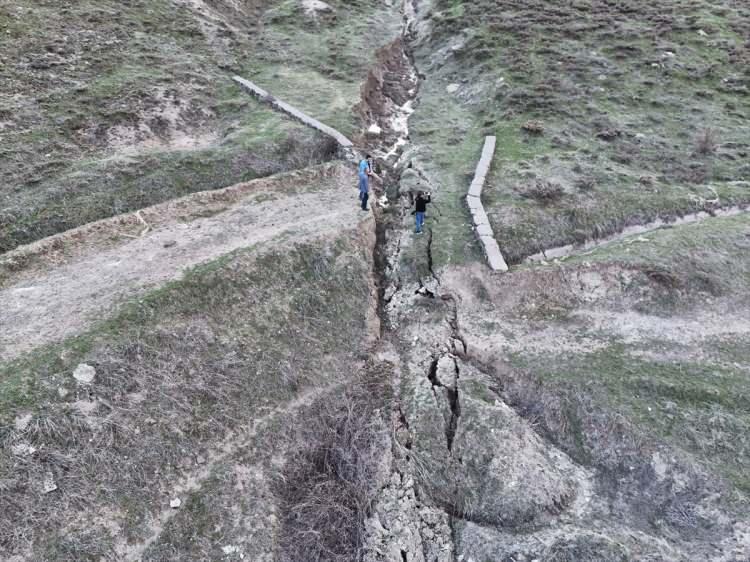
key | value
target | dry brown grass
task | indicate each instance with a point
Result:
(544, 191)
(176, 372)
(329, 482)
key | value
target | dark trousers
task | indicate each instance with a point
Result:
(364, 196)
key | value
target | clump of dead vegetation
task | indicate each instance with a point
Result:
(705, 144)
(330, 480)
(586, 183)
(544, 191)
(533, 127)
(301, 153)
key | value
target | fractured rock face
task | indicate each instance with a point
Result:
(479, 458)
(400, 528)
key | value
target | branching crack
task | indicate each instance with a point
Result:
(451, 395)
(455, 404)
(452, 525)
(429, 256)
(432, 373)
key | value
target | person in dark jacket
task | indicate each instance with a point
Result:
(420, 207)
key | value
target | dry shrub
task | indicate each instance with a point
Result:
(300, 153)
(664, 278)
(609, 134)
(585, 548)
(586, 183)
(705, 144)
(329, 482)
(533, 127)
(543, 191)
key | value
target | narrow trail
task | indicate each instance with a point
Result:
(66, 299)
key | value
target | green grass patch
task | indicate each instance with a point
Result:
(707, 256)
(622, 110)
(700, 407)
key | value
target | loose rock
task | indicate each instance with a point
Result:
(84, 374)
(316, 7)
(23, 450)
(49, 484)
(22, 422)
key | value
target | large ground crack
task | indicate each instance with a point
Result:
(446, 393)
(455, 405)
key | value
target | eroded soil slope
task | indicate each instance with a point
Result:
(593, 408)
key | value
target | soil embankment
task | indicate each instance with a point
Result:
(64, 298)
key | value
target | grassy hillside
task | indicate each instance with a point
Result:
(606, 114)
(109, 107)
(673, 360)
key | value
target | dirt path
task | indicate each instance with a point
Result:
(62, 301)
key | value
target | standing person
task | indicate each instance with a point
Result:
(365, 171)
(420, 207)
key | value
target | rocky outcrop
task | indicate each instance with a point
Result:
(486, 464)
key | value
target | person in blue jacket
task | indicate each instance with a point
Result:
(365, 171)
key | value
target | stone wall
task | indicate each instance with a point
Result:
(478, 215)
(292, 111)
